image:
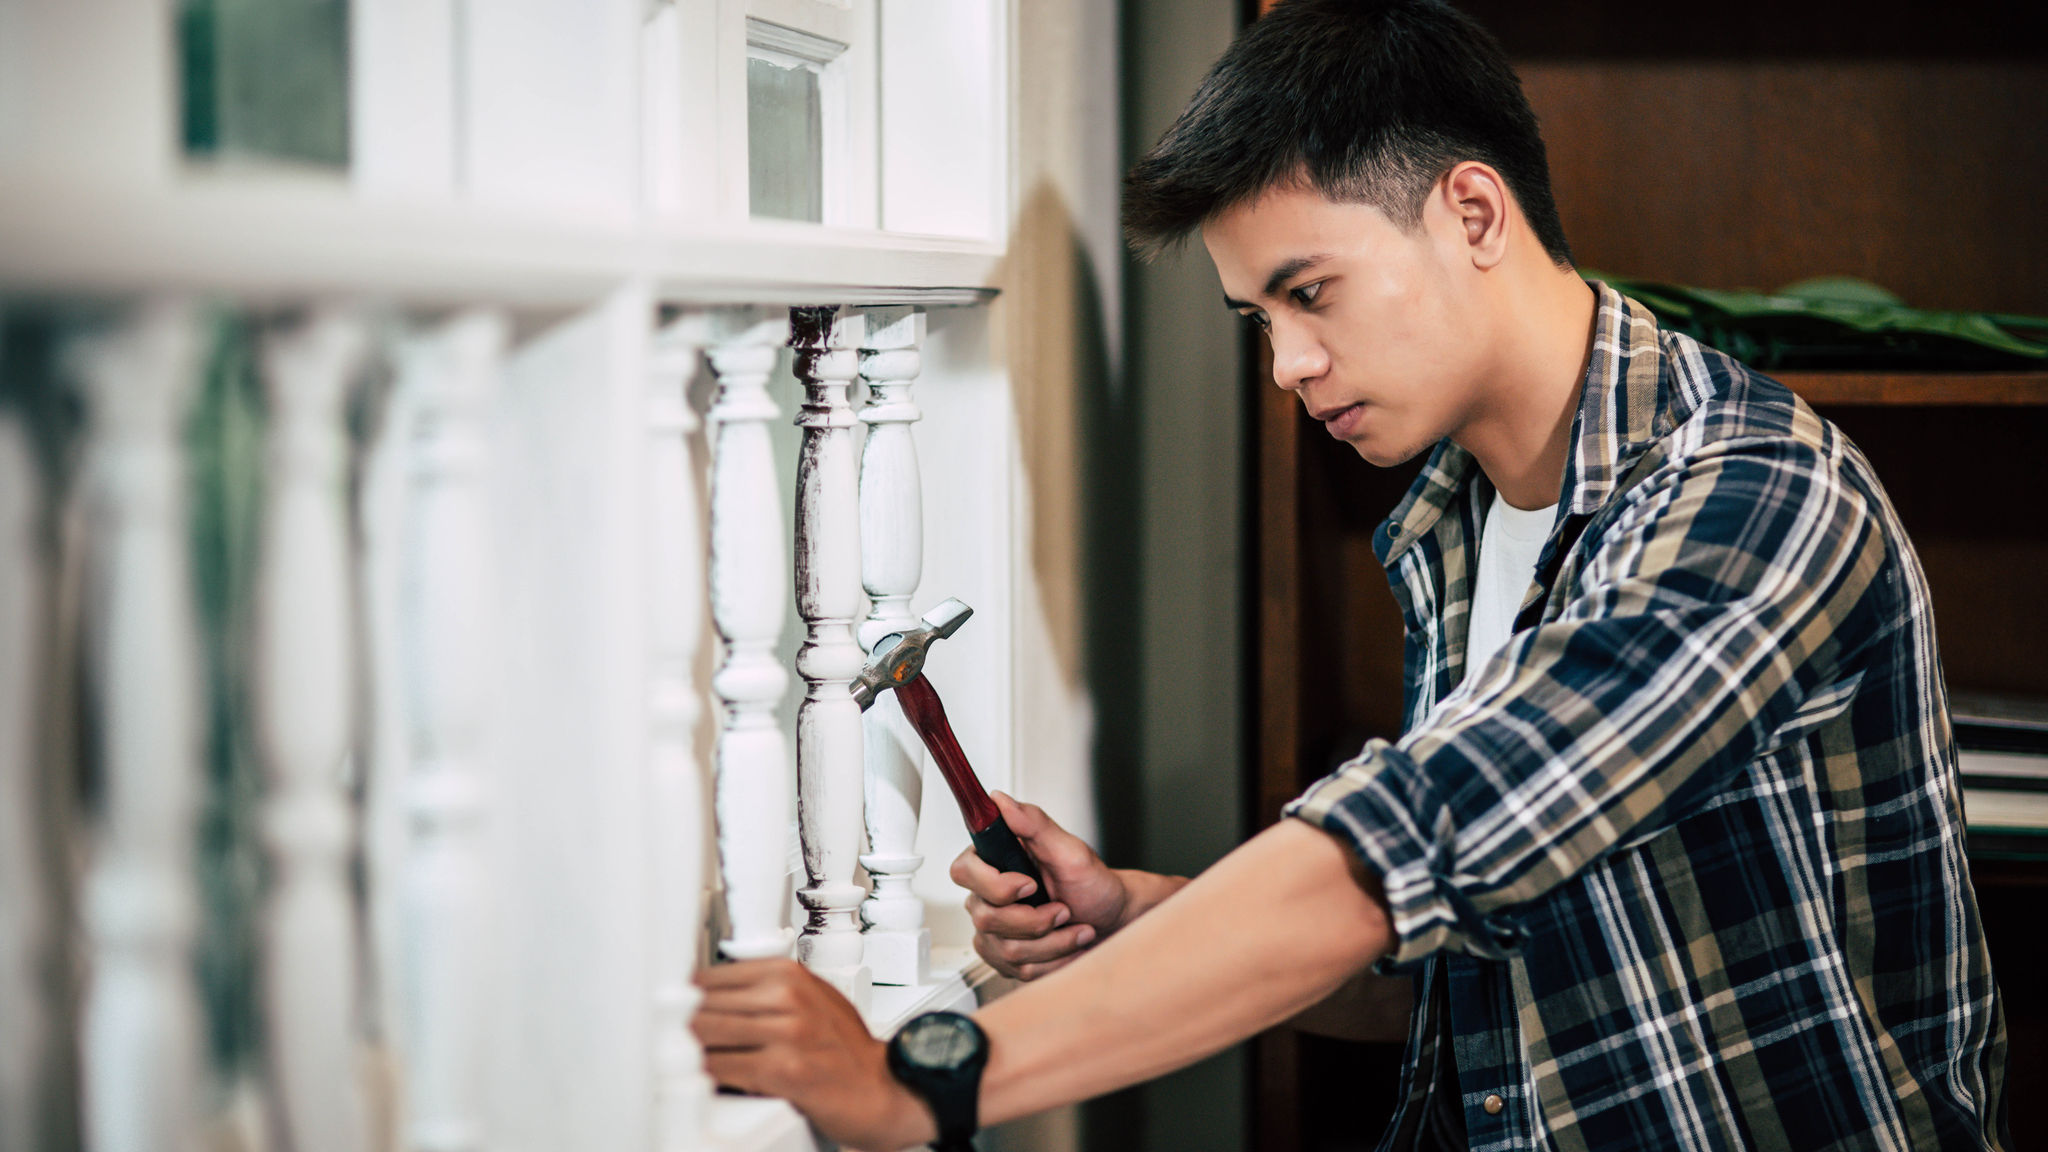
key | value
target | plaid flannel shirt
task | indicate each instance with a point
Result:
(1683, 865)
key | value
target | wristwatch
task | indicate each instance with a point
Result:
(939, 1056)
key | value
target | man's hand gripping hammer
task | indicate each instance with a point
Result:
(898, 662)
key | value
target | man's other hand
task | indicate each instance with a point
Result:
(771, 1028)
(1088, 899)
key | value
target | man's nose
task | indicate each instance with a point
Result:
(1297, 358)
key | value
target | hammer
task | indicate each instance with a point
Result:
(898, 662)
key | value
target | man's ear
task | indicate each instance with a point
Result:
(1477, 199)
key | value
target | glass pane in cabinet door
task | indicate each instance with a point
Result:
(266, 79)
(785, 142)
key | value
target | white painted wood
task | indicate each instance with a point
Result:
(550, 106)
(272, 238)
(679, 828)
(682, 123)
(382, 494)
(25, 929)
(828, 597)
(140, 1033)
(944, 96)
(452, 376)
(404, 138)
(571, 869)
(665, 171)
(749, 563)
(899, 946)
(847, 92)
(304, 688)
(94, 84)
(982, 536)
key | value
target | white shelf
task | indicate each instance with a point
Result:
(285, 238)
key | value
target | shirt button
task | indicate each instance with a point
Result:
(1493, 1105)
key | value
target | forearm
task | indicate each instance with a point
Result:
(1270, 929)
(1145, 891)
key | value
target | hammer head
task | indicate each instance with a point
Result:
(898, 658)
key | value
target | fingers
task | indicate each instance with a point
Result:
(741, 1070)
(728, 1031)
(1052, 846)
(1017, 921)
(985, 882)
(1030, 959)
(1026, 820)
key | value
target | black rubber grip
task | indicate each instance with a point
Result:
(998, 846)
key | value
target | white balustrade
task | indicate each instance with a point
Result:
(899, 945)
(828, 595)
(140, 1032)
(858, 524)
(749, 564)
(304, 686)
(25, 929)
(452, 376)
(676, 548)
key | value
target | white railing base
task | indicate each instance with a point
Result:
(955, 977)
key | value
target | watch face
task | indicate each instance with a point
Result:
(939, 1042)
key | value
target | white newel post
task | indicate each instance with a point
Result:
(676, 551)
(899, 945)
(305, 712)
(453, 376)
(141, 1034)
(24, 929)
(828, 594)
(748, 567)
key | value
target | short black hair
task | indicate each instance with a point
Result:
(1365, 101)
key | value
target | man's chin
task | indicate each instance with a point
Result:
(1380, 454)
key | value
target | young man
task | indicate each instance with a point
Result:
(1672, 843)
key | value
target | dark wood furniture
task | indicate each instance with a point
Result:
(1748, 144)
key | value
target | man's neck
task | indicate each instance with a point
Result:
(1521, 433)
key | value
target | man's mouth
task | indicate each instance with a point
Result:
(1342, 420)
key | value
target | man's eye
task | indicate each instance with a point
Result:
(1306, 294)
(1258, 320)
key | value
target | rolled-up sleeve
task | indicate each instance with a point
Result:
(1704, 623)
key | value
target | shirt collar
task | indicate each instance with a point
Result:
(1622, 411)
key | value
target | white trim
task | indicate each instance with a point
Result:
(286, 239)
(793, 46)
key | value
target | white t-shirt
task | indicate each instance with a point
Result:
(1508, 550)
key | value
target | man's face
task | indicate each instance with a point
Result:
(1374, 326)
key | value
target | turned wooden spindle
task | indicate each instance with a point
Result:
(304, 685)
(898, 948)
(749, 565)
(141, 1026)
(828, 595)
(452, 376)
(678, 828)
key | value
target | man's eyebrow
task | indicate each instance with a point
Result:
(1287, 270)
